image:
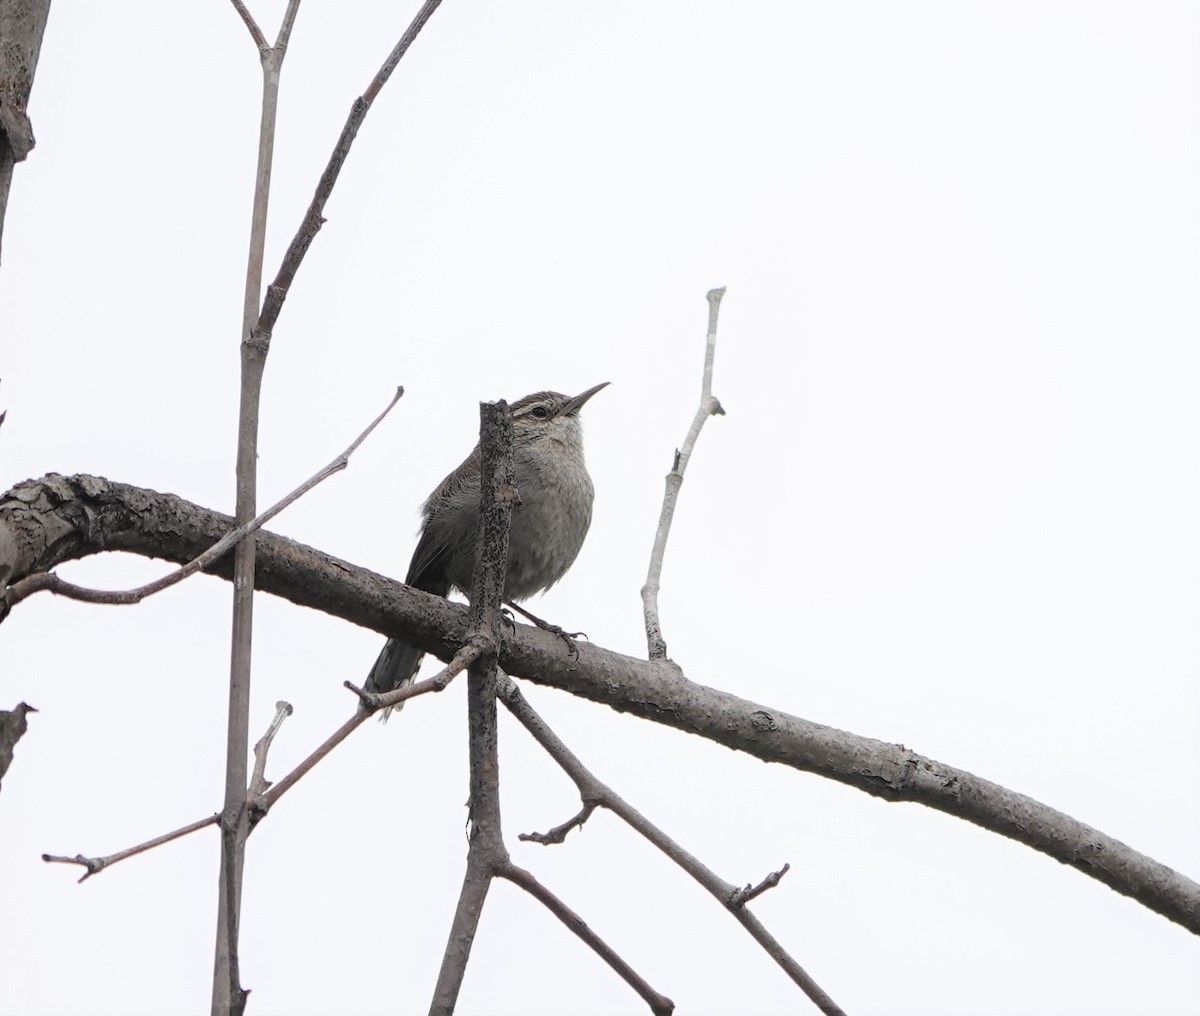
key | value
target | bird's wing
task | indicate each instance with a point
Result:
(429, 567)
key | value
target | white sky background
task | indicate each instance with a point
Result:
(954, 502)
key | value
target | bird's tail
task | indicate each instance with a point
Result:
(396, 666)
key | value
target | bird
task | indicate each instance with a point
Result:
(550, 518)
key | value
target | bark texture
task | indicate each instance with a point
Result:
(59, 518)
(22, 24)
(12, 727)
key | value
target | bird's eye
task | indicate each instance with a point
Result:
(540, 412)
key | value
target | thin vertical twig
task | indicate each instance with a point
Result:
(228, 996)
(257, 327)
(709, 406)
(487, 853)
(285, 26)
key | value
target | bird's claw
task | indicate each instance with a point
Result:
(568, 637)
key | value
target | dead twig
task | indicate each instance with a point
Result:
(260, 40)
(369, 703)
(373, 701)
(123, 597)
(95, 865)
(599, 795)
(559, 833)
(659, 1004)
(314, 217)
(258, 781)
(709, 406)
(746, 894)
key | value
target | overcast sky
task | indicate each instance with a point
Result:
(954, 503)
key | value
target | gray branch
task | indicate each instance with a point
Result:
(46, 522)
(12, 729)
(596, 794)
(22, 25)
(487, 854)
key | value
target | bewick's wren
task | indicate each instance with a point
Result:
(549, 521)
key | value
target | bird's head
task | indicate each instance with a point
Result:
(550, 416)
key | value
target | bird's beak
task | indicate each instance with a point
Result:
(576, 403)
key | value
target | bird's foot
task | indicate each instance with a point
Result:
(568, 637)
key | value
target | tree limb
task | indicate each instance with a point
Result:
(596, 794)
(58, 518)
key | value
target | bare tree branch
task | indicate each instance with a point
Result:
(370, 703)
(597, 794)
(31, 584)
(487, 857)
(285, 26)
(658, 1002)
(314, 217)
(260, 40)
(487, 853)
(258, 781)
(373, 701)
(261, 795)
(58, 518)
(655, 644)
(12, 729)
(559, 833)
(228, 996)
(95, 865)
(22, 25)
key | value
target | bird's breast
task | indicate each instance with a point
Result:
(549, 522)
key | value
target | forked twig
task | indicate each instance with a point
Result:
(709, 406)
(599, 795)
(122, 597)
(314, 216)
(370, 703)
(487, 857)
(95, 865)
(373, 701)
